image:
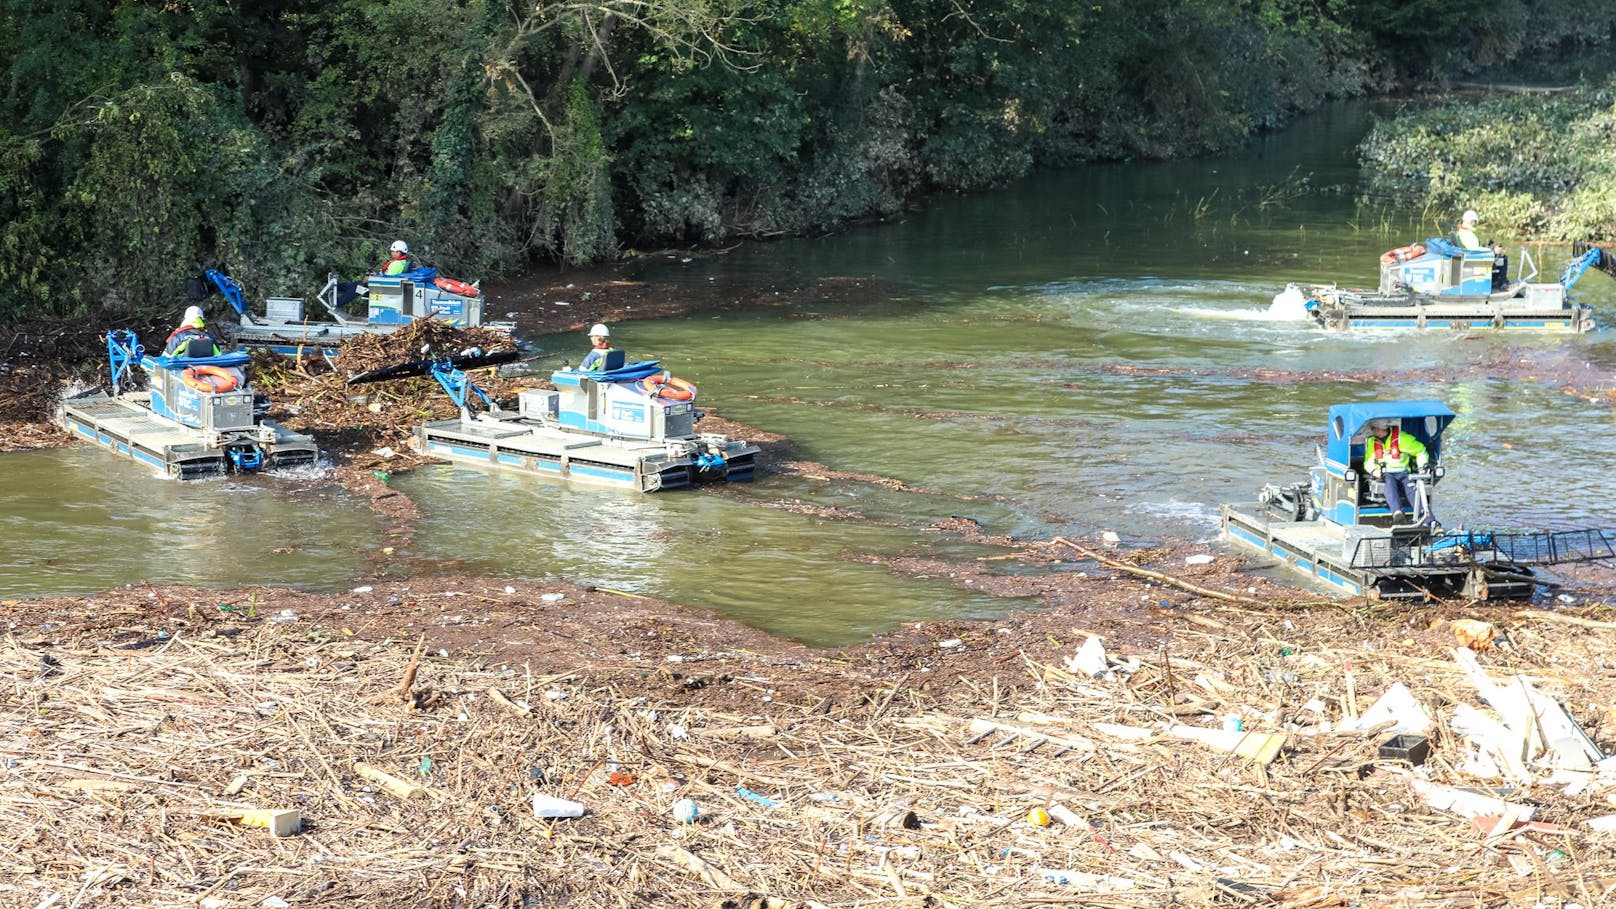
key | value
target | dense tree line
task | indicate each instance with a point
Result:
(1541, 168)
(292, 137)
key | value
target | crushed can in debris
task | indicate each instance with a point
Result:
(1475, 634)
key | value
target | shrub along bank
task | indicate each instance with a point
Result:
(292, 138)
(1535, 167)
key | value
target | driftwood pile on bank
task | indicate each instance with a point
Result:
(309, 395)
(236, 759)
(37, 357)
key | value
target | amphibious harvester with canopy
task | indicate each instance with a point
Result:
(1337, 529)
(394, 302)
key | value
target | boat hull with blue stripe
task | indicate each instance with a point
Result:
(1337, 530)
(179, 430)
(1438, 285)
(608, 428)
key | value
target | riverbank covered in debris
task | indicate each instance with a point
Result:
(1192, 735)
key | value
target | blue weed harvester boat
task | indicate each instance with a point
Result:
(1336, 527)
(198, 416)
(1436, 284)
(631, 426)
(394, 302)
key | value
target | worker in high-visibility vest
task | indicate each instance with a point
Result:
(600, 349)
(398, 262)
(192, 338)
(1387, 453)
(1466, 234)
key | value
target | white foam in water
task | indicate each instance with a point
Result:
(1290, 305)
(1189, 512)
(1227, 315)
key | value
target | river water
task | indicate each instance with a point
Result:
(1082, 351)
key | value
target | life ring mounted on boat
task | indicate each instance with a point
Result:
(671, 388)
(1402, 254)
(211, 379)
(455, 287)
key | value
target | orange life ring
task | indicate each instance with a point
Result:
(211, 379)
(455, 287)
(1402, 254)
(671, 387)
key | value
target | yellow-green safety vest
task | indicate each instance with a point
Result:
(1392, 455)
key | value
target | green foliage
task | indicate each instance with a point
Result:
(1535, 167)
(288, 138)
(1435, 38)
(27, 240)
(575, 217)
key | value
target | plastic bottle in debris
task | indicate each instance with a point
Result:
(550, 806)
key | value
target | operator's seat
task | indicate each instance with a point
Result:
(615, 359)
(1370, 492)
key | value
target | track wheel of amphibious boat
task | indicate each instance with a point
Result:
(1402, 254)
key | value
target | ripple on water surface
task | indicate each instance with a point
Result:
(78, 520)
(791, 574)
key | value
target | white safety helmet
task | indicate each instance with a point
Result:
(192, 315)
(599, 331)
(1375, 425)
(1470, 217)
(399, 246)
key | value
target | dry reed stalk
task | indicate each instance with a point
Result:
(113, 761)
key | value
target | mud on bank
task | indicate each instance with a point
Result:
(409, 724)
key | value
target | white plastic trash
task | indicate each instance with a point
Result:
(1089, 659)
(550, 806)
(686, 812)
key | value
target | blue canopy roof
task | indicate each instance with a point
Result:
(231, 359)
(1425, 420)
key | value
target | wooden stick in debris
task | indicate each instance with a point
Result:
(1073, 742)
(712, 874)
(1157, 576)
(498, 697)
(1565, 619)
(404, 693)
(404, 789)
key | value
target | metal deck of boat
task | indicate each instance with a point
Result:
(1575, 319)
(648, 466)
(124, 426)
(1318, 549)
